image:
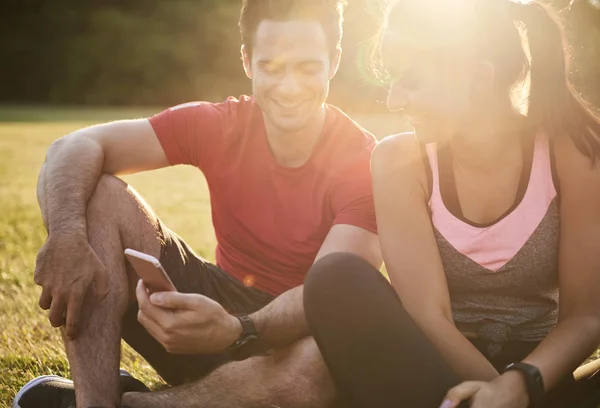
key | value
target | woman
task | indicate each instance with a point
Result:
(485, 214)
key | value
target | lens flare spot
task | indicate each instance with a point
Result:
(249, 281)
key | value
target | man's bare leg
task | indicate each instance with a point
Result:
(116, 218)
(295, 377)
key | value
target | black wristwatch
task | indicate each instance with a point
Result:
(533, 381)
(248, 344)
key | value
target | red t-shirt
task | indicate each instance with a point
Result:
(270, 220)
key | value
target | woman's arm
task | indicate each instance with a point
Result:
(411, 255)
(577, 333)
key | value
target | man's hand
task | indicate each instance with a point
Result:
(506, 391)
(186, 323)
(66, 268)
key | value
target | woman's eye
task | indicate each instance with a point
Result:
(409, 80)
(405, 77)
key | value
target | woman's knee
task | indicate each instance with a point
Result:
(336, 274)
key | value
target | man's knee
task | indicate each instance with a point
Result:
(115, 202)
(109, 192)
(116, 213)
(303, 378)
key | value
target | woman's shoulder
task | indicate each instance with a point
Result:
(397, 151)
(400, 156)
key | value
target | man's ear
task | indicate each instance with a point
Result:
(246, 62)
(335, 63)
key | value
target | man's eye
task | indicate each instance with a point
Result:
(311, 69)
(272, 68)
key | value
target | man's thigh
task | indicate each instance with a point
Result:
(190, 274)
(301, 370)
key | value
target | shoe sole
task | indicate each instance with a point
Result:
(35, 382)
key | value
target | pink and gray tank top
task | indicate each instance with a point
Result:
(502, 276)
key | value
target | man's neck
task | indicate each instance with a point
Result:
(293, 149)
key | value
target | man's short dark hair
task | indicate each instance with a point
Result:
(328, 12)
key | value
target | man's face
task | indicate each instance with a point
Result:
(291, 67)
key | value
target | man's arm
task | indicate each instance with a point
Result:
(282, 321)
(189, 323)
(75, 162)
(67, 181)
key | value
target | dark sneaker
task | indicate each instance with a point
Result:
(48, 391)
(129, 383)
(52, 391)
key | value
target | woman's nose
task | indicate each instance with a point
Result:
(398, 98)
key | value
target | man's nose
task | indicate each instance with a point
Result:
(290, 85)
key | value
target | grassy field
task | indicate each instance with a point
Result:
(29, 346)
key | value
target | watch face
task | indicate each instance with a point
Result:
(246, 347)
(248, 339)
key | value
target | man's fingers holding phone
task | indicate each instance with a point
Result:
(145, 304)
(174, 300)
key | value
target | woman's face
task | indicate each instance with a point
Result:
(432, 87)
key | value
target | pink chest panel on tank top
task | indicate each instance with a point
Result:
(494, 246)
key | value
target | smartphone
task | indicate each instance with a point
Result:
(150, 271)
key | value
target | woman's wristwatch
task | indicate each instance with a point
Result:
(533, 381)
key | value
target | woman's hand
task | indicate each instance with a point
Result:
(506, 391)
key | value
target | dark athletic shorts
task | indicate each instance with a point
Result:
(190, 274)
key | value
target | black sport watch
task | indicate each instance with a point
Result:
(533, 381)
(248, 344)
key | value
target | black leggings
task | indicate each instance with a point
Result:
(376, 354)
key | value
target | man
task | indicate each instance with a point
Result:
(289, 181)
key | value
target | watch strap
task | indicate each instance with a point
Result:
(248, 344)
(248, 326)
(533, 381)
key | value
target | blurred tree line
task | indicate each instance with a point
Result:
(160, 52)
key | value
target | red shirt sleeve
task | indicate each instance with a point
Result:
(352, 195)
(190, 133)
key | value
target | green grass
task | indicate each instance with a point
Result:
(29, 346)
(45, 114)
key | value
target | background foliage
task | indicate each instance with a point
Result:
(160, 52)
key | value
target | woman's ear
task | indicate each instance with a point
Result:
(246, 62)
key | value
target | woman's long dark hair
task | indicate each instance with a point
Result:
(553, 103)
